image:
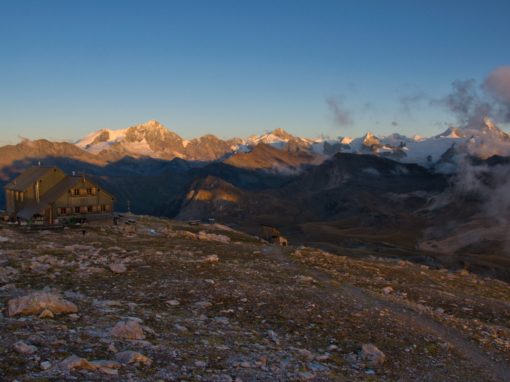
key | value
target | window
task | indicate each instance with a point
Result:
(76, 210)
(83, 191)
(90, 209)
(91, 191)
(76, 191)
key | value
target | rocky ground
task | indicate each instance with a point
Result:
(158, 300)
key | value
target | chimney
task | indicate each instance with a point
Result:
(74, 173)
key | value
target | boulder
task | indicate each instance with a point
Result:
(46, 313)
(7, 274)
(118, 268)
(211, 259)
(128, 329)
(387, 290)
(372, 355)
(202, 235)
(129, 357)
(39, 302)
(75, 362)
(23, 348)
(104, 366)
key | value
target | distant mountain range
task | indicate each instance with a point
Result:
(154, 140)
(418, 197)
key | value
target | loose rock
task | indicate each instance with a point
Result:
(128, 329)
(23, 348)
(387, 290)
(75, 362)
(372, 355)
(129, 357)
(38, 302)
(118, 268)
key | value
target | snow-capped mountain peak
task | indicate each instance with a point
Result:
(482, 139)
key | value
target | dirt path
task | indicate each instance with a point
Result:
(467, 349)
(463, 346)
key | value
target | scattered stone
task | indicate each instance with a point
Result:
(306, 279)
(74, 362)
(7, 274)
(38, 302)
(173, 302)
(201, 364)
(322, 357)
(118, 268)
(387, 290)
(222, 320)
(211, 259)
(106, 366)
(112, 348)
(181, 328)
(273, 336)
(202, 235)
(372, 355)
(203, 304)
(45, 365)
(46, 313)
(305, 354)
(23, 348)
(129, 357)
(306, 376)
(128, 329)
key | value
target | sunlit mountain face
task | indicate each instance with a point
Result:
(153, 140)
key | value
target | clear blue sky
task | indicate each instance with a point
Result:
(234, 68)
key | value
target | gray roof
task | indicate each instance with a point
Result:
(49, 197)
(28, 178)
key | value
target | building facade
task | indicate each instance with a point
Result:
(47, 195)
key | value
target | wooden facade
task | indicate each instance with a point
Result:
(48, 195)
(272, 235)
